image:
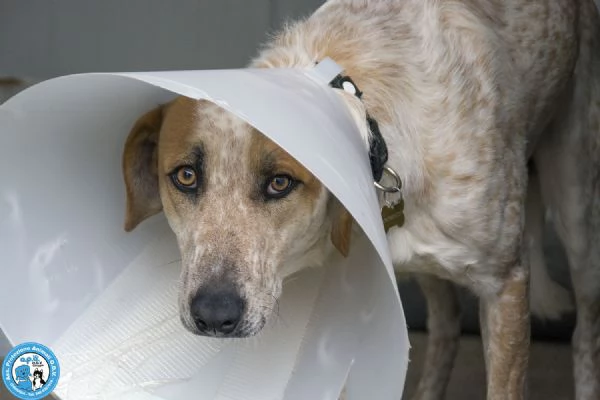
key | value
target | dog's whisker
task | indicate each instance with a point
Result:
(276, 302)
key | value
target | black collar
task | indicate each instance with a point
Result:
(378, 153)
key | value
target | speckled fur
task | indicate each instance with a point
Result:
(227, 232)
(466, 94)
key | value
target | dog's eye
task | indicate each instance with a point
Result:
(185, 178)
(280, 185)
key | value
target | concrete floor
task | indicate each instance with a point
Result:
(550, 371)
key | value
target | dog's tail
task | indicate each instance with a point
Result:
(548, 299)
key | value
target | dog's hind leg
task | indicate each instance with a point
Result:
(443, 325)
(504, 318)
(568, 161)
(571, 187)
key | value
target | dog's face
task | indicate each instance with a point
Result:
(244, 212)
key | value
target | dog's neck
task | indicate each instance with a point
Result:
(301, 46)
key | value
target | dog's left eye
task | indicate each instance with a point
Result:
(280, 186)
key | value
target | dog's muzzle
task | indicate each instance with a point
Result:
(217, 310)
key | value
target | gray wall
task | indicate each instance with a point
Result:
(46, 38)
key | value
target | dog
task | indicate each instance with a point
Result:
(491, 114)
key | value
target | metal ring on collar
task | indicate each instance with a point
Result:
(390, 189)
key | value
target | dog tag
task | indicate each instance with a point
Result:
(393, 215)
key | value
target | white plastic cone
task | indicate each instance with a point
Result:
(72, 279)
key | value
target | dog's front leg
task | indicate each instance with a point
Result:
(443, 326)
(505, 331)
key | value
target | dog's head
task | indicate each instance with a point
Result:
(244, 212)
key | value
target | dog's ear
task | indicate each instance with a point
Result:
(341, 229)
(140, 169)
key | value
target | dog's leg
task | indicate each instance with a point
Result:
(569, 167)
(534, 214)
(586, 338)
(505, 332)
(568, 162)
(443, 325)
(575, 205)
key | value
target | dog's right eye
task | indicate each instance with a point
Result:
(280, 186)
(185, 178)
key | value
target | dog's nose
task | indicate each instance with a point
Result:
(217, 311)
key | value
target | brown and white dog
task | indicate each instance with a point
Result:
(491, 113)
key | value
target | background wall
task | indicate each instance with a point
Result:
(47, 38)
